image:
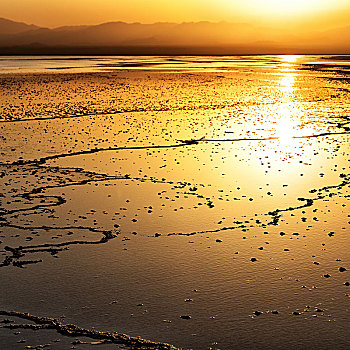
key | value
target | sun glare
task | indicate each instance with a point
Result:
(294, 6)
(289, 58)
(278, 9)
(287, 82)
(285, 128)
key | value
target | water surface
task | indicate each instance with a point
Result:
(195, 201)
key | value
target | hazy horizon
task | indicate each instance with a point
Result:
(163, 38)
(289, 25)
(314, 14)
(220, 27)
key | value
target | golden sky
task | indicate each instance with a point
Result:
(53, 13)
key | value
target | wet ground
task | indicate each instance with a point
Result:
(199, 202)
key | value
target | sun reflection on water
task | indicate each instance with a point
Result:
(288, 63)
(287, 84)
(286, 109)
(289, 58)
(284, 130)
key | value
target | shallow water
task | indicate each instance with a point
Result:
(196, 201)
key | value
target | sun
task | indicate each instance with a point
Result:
(279, 9)
(291, 7)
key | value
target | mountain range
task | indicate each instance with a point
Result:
(168, 38)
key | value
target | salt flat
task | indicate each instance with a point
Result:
(195, 201)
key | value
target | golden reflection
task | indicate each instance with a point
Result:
(288, 113)
(287, 82)
(285, 126)
(289, 58)
(286, 110)
(288, 62)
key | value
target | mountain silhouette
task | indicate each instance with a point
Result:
(8, 27)
(167, 38)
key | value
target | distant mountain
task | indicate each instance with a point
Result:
(167, 38)
(11, 27)
(338, 36)
(131, 34)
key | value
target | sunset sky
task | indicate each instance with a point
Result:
(53, 13)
